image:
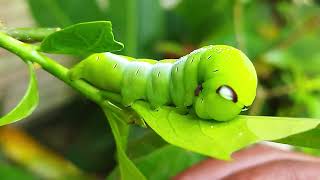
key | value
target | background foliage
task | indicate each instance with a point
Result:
(280, 37)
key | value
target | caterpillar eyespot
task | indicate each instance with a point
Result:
(205, 80)
(227, 93)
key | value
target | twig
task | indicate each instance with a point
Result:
(29, 34)
(29, 52)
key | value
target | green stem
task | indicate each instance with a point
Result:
(29, 52)
(131, 30)
(238, 24)
(29, 34)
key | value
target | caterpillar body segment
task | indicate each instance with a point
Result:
(217, 81)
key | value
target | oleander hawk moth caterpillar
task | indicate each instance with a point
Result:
(216, 82)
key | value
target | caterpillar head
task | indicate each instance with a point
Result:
(229, 83)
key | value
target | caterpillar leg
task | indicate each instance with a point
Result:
(76, 72)
(182, 110)
(111, 96)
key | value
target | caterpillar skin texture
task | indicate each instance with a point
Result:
(217, 81)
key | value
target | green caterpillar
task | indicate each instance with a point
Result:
(217, 81)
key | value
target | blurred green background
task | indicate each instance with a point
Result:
(69, 138)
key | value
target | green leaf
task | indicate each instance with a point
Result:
(166, 162)
(82, 39)
(306, 139)
(128, 170)
(148, 142)
(311, 151)
(9, 172)
(28, 103)
(61, 13)
(163, 163)
(219, 139)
